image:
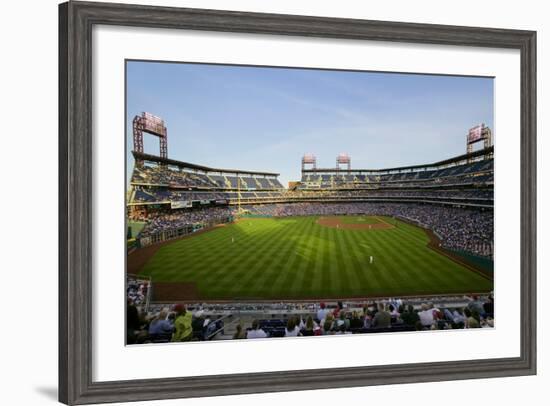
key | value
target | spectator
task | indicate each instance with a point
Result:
(239, 333)
(183, 328)
(322, 312)
(339, 308)
(343, 322)
(368, 320)
(292, 330)
(309, 329)
(382, 318)
(356, 322)
(327, 324)
(410, 316)
(160, 325)
(471, 321)
(476, 305)
(487, 322)
(393, 311)
(426, 316)
(256, 331)
(132, 322)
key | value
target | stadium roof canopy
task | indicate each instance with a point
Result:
(459, 158)
(187, 165)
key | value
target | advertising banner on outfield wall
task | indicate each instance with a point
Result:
(181, 204)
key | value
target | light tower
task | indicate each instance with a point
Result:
(150, 124)
(477, 134)
(309, 160)
(343, 159)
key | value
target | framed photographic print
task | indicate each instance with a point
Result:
(239, 190)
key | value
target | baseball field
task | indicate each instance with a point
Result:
(310, 257)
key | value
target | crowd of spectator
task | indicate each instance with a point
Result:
(160, 175)
(151, 195)
(175, 323)
(178, 323)
(417, 193)
(137, 289)
(459, 229)
(166, 176)
(160, 221)
(475, 172)
(485, 179)
(164, 195)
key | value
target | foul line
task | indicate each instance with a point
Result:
(385, 222)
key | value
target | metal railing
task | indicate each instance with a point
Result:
(214, 333)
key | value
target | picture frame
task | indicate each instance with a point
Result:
(76, 20)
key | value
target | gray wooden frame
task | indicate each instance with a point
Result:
(75, 188)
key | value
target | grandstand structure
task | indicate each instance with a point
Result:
(173, 184)
(465, 180)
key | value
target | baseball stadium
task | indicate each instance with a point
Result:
(234, 253)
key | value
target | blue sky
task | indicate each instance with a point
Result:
(257, 118)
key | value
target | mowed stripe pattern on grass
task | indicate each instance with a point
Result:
(296, 258)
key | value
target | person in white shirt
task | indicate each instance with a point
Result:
(292, 330)
(426, 316)
(322, 312)
(256, 331)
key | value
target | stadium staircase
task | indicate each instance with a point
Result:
(132, 195)
(211, 180)
(273, 185)
(227, 182)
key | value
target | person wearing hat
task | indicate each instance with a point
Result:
(322, 312)
(182, 325)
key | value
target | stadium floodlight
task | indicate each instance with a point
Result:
(309, 159)
(476, 134)
(150, 124)
(343, 159)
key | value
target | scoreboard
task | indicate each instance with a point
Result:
(153, 124)
(476, 133)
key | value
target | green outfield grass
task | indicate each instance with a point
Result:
(296, 258)
(358, 219)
